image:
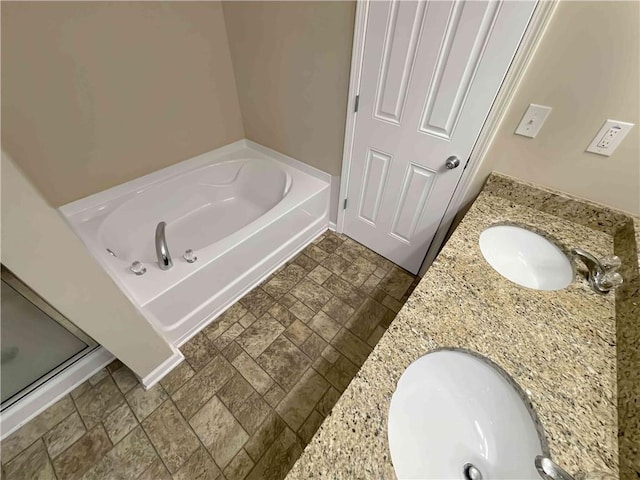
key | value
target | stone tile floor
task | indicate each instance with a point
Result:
(255, 386)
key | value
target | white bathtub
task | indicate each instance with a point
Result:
(243, 210)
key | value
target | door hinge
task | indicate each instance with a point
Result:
(355, 109)
(344, 206)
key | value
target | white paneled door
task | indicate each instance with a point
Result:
(429, 74)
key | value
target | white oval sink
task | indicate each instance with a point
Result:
(451, 409)
(526, 258)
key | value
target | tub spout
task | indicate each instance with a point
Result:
(162, 250)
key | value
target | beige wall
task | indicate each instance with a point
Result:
(39, 248)
(291, 62)
(98, 93)
(587, 69)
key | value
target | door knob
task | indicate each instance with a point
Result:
(452, 162)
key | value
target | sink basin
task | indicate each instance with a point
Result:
(451, 409)
(526, 258)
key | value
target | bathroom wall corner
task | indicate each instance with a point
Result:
(291, 63)
(334, 201)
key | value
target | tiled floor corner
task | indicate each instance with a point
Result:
(255, 386)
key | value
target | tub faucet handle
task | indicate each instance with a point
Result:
(138, 268)
(189, 256)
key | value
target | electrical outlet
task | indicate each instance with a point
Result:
(609, 137)
(533, 120)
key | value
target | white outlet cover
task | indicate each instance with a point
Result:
(614, 141)
(533, 120)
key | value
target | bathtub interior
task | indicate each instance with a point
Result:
(200, 208)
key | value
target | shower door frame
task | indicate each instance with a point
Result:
(25, 291)
(56, 384)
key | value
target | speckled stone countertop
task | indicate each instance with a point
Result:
(572, 351)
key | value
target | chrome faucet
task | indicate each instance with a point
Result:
(549, 470)
(603, 275)
(162, 250)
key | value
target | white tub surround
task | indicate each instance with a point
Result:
(243, 209)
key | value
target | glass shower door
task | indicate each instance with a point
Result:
(36, 341)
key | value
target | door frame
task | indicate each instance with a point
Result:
(539, 22)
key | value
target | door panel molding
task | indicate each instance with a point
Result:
(417, 185)
(371, 196)
(440, 115)
(390, 103)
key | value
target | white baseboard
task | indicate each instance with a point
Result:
(332, 226)
(163, 369)
(53, 390)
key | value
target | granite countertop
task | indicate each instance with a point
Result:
(572, 351)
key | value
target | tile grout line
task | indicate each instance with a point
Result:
(150, 442)
(313, 409)
(55, 474)
(255, 463)
(75, 406)
(41, 437)
(215, 395)
(86, 430)
(139, 423)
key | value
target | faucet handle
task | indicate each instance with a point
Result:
(189, 256)
(602, 274)
(138, 268)
(549, 470)
(610, 263)
(611, 280)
